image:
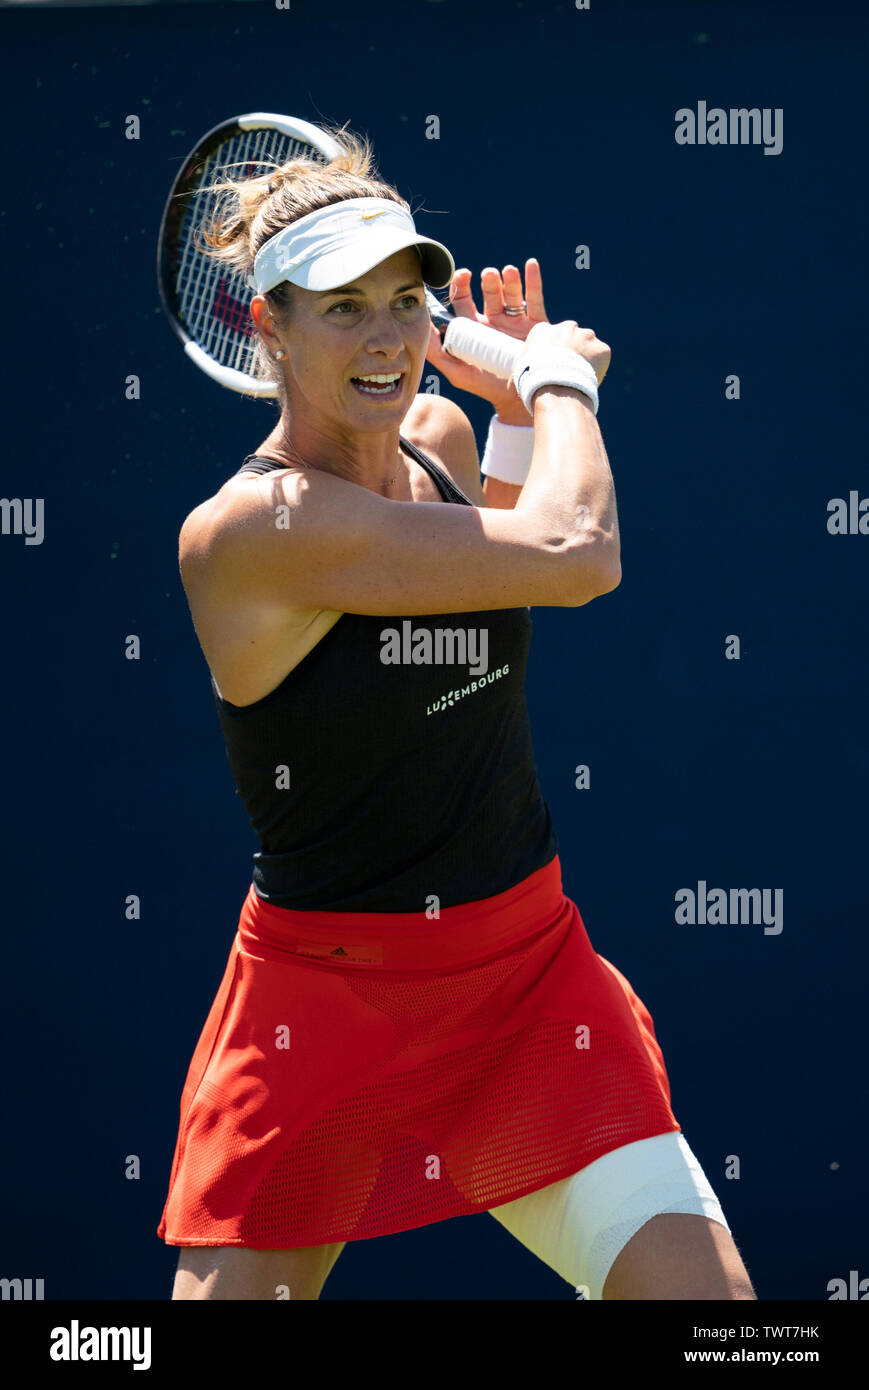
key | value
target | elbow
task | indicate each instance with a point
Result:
(610, 576)
(597, 575)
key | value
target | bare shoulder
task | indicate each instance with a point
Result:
(442, 429)
(203, 523)
(192, 538)
(200, 531)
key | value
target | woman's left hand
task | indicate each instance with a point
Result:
(498, 293)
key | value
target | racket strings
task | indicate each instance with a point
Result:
(213, 299)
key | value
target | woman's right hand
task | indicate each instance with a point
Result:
(568, 334)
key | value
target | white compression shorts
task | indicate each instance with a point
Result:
(579, 1225)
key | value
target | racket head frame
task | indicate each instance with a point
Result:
(176, 211)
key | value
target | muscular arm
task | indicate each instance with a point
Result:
(346, 549)
(458, 446)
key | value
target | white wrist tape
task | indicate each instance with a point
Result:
(508, 451)
(546, 366)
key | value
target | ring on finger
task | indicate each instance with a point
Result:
(515, 309)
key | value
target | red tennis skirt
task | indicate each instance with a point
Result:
(362, 1073)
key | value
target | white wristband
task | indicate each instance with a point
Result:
(508, 451)
(545, 366)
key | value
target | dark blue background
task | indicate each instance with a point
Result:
(556, 129)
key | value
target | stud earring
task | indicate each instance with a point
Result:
(280, 355)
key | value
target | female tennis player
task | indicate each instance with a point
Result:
(412, 1024)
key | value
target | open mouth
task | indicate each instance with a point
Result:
(384, 385)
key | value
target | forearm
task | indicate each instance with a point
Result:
(501, 495)
(570, 484)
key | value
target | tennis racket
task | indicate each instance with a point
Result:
(474, 342)
(208, 304)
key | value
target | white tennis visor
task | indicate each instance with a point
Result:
(326, 249)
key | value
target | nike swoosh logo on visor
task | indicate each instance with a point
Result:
(367, 217)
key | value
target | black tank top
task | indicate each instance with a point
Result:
(373, 780)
